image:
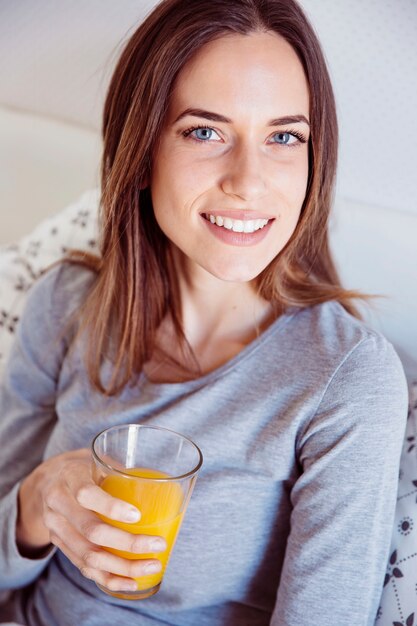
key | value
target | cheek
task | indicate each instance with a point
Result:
(171, 200)
(297, 188)
(291, 187)
(300, 173)
(178, 190)
(289, 167)
(303, 180)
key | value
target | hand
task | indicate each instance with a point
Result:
(58, 503)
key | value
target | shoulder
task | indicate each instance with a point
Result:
(330, 336)
(68, 280)
(330, 356)
(366, 369)
(48, 323)
(360, 381)
(57, 294)
(332, 325)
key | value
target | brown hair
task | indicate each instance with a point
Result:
(136, 286)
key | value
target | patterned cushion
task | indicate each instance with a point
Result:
(76, 227)
(22, 263)
(399, 597)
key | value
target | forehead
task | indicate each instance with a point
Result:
(244, 73)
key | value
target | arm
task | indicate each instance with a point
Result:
(53, 501)
(344, 501)
(27, 419)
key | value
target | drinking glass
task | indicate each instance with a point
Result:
(154, 469)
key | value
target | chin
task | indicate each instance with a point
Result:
(233, 274)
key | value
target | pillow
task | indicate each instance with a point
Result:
(398, 605)
(76, 227)
(22, 263)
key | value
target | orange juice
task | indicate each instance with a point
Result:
(160, 504)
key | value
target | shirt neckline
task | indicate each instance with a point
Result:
(232, 363)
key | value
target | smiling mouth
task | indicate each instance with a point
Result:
(237, 226)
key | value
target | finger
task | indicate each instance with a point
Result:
(80, 453)
(100, 565)
(98, 532)
(76, 474)
(92, 497)
(111, 582)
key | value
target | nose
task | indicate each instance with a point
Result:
(244, 177)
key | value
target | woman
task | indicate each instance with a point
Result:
(215, 310)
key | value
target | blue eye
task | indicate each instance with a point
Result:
(288, 138)
(283, 138)
(202, 133)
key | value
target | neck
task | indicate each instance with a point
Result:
(217, 311)
(218, 319)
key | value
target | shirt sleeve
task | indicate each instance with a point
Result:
(27, 417)
(344, 500)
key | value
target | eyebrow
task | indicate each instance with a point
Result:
(216, 117)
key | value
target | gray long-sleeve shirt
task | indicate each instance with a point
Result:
(290, 520)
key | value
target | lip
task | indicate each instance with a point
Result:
(240, 215)
(237, 239)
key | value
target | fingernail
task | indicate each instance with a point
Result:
(129, 586)
(153, 568)
(132, 515)
(157, 545)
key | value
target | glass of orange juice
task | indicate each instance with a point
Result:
(154, 469)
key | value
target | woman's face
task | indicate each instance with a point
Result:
(230, 173)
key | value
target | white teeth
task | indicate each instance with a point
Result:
(238, 226)
(249, 226)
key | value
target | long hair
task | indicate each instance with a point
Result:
(136, 287)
